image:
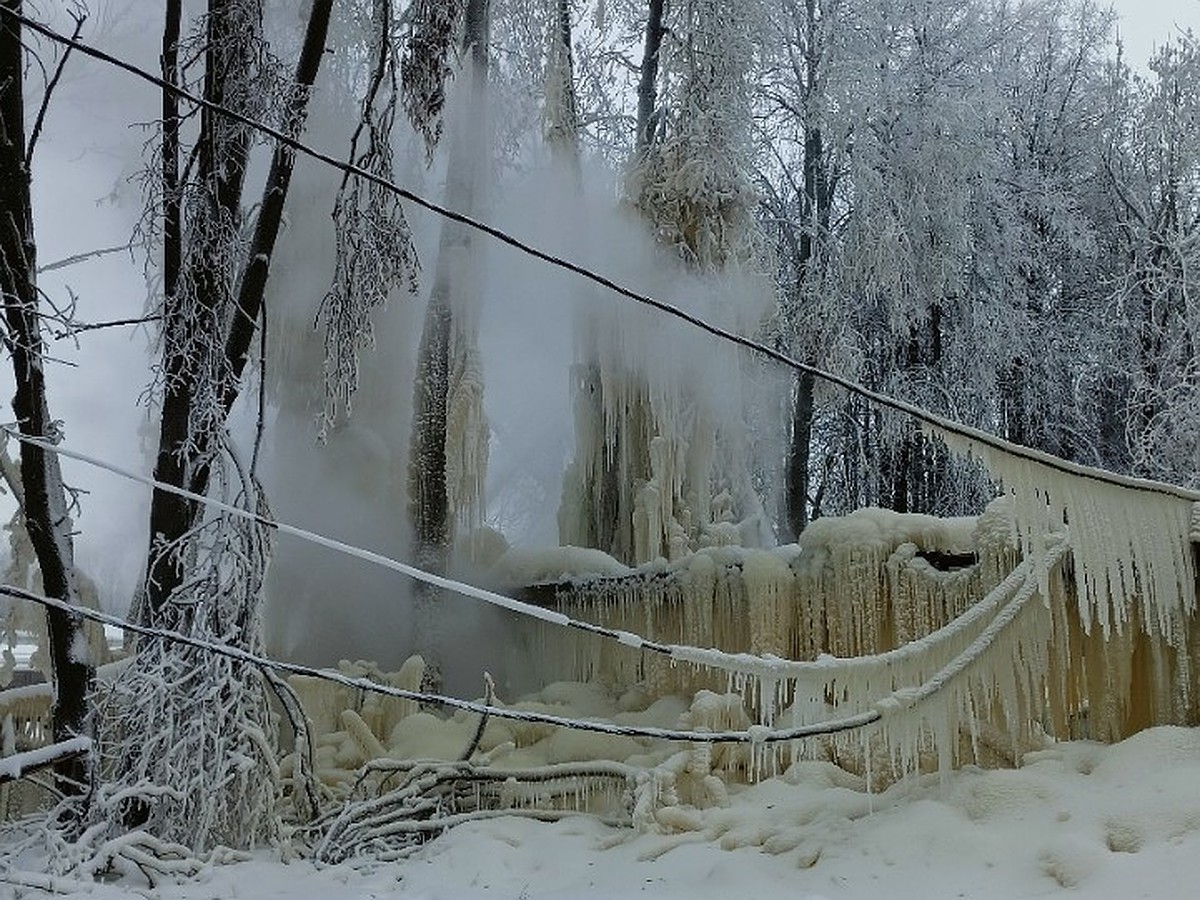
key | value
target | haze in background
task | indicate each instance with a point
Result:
(1145, 24)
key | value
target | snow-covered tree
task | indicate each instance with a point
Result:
(1040, 237)
(449, 438)
(802, 131)
(957, 257)
(203, 775)
(1154, 167)
(44, 503)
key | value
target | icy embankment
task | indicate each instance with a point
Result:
(1079, 820)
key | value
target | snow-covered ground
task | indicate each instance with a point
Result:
(1079, 820)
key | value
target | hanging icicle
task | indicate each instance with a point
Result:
(1127, 544)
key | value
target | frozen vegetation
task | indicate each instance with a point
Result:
(1081, 819)
(711, 447)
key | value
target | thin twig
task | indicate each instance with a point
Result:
(489, 697)
(303, 780)
(74, 328)
(80, 18)
(82, 257)
(260, 425)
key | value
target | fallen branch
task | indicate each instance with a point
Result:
(489, 699)
(47, 884)
(435, 796)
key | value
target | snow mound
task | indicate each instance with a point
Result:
(1003, 793)
(887, 530)
(533, 566)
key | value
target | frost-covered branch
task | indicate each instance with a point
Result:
(79, 15)
(205, 706)
(372, 240)
(435, 796)
(77, 258)
(425, 66)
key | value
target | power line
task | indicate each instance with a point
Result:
(755, 735)
(736, 663)
(937, 422)
(896, 701)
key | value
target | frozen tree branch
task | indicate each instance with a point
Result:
(435, 796)
(80, 16)
(374, 249)
(425, 66)
(77, 258)
(20, 765)
(489, 697)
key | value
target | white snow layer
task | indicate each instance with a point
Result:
(1077, 820)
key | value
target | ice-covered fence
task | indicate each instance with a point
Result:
(25, 714)
(997, 661)
(25, 727)
(870, 583)
(853, 586)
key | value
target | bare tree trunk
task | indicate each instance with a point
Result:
(815, 211)
(562, 119)
(47, 519)
(428, 496)
(796, 484)
(562, 34)
(253, 282)
(221, 164)
(428, 500)
(172, 223)
(648, 83)
(184, 458)
(429, 491)
(605, 522)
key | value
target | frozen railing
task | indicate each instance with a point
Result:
(1007, 663)
(25, 726)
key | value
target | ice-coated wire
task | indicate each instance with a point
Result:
(903, 698)
(736, 663)
(758, 734)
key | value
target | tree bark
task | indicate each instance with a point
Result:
(172, 223)
(428, 498)
(221, 163)
(562, 127)
(429, 507)
(648, 82)
(47, 519)
(253, 282)
(184, 459)
(814, 210)
(797, 481)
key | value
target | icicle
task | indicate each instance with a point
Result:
(1126, 541)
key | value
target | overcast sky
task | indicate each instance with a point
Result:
(1145, 23)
